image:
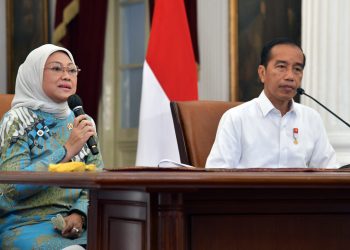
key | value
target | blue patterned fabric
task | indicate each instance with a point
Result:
(29, 141)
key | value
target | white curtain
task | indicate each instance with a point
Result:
(107, 108)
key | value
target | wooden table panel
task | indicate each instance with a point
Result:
(190, 210)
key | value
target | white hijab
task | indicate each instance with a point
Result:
(29, 91)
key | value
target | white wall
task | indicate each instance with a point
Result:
(326, 43)
(3, 63)
(213, 36)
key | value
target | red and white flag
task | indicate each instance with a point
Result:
(169, 74)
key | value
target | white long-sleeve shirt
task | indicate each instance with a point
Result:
(256, 135)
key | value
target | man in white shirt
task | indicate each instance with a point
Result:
(272, 131)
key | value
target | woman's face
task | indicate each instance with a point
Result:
(60, 77)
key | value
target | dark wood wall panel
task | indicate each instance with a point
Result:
(274, 231)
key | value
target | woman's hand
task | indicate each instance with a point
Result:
(74, 226)
(82, 130)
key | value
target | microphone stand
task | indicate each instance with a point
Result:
(301, 91)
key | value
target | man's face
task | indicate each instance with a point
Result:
(283, 73)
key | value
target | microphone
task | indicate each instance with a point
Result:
(76, 105)
(301, 91)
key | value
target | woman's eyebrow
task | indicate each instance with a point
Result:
(60, 62)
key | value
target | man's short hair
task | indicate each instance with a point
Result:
(266, 51)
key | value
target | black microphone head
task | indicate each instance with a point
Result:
(74, 101)
(300, 91)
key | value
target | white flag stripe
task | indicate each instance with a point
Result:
(157, 139)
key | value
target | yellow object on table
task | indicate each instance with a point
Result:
(71, 167)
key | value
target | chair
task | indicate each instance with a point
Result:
(195, 125)
(5, 103)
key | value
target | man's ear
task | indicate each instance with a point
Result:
(261, 73)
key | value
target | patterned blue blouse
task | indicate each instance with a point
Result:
(29, 141)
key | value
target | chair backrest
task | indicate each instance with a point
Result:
(5, 103)
(195, 124)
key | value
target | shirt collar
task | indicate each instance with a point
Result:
(266, 106)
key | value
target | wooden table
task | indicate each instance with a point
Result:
(168, 209)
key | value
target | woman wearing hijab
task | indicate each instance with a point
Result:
(39, 130)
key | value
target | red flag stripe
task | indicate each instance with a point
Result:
(170, 54)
